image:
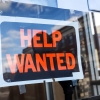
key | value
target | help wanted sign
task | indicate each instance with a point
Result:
(36, 50)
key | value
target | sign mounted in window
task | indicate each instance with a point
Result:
(31, 51)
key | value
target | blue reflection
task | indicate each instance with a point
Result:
(37, 11)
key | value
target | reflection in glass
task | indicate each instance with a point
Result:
(10, 40)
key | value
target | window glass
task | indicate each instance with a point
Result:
(11, 41)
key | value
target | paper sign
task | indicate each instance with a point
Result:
(34, 50)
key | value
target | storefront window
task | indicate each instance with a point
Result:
(10, 42)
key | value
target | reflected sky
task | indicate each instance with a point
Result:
(11, 44)
(37, 11)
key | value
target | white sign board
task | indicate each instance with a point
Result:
(21, 63)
